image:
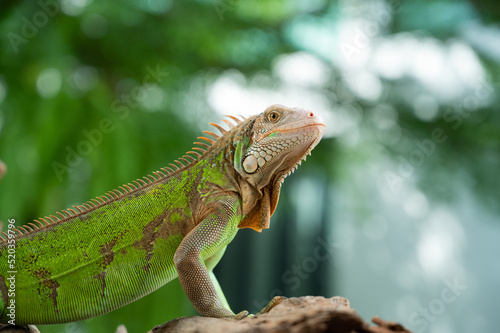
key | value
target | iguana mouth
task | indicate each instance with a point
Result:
(296, 129)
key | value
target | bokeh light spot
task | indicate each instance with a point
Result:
(94, 26)
(49, 83)
(74, 7)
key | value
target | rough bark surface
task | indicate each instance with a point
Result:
(303, 314)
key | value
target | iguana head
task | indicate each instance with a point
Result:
(269, 148)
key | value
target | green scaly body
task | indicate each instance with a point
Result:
(112, 251)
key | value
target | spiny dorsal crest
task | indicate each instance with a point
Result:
(190, 158)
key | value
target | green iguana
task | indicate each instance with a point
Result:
(113, 250)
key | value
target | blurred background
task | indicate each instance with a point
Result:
(397, 209)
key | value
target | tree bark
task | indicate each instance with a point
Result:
(303, 314)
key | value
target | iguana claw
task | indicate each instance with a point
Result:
(242, 314)
(275, 301)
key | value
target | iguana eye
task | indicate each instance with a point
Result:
(273, 116)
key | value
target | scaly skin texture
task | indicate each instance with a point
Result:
(114, 250)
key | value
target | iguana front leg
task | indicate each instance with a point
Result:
(205, 243)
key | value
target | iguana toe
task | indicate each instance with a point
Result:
(242, 314)
(275, 301)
